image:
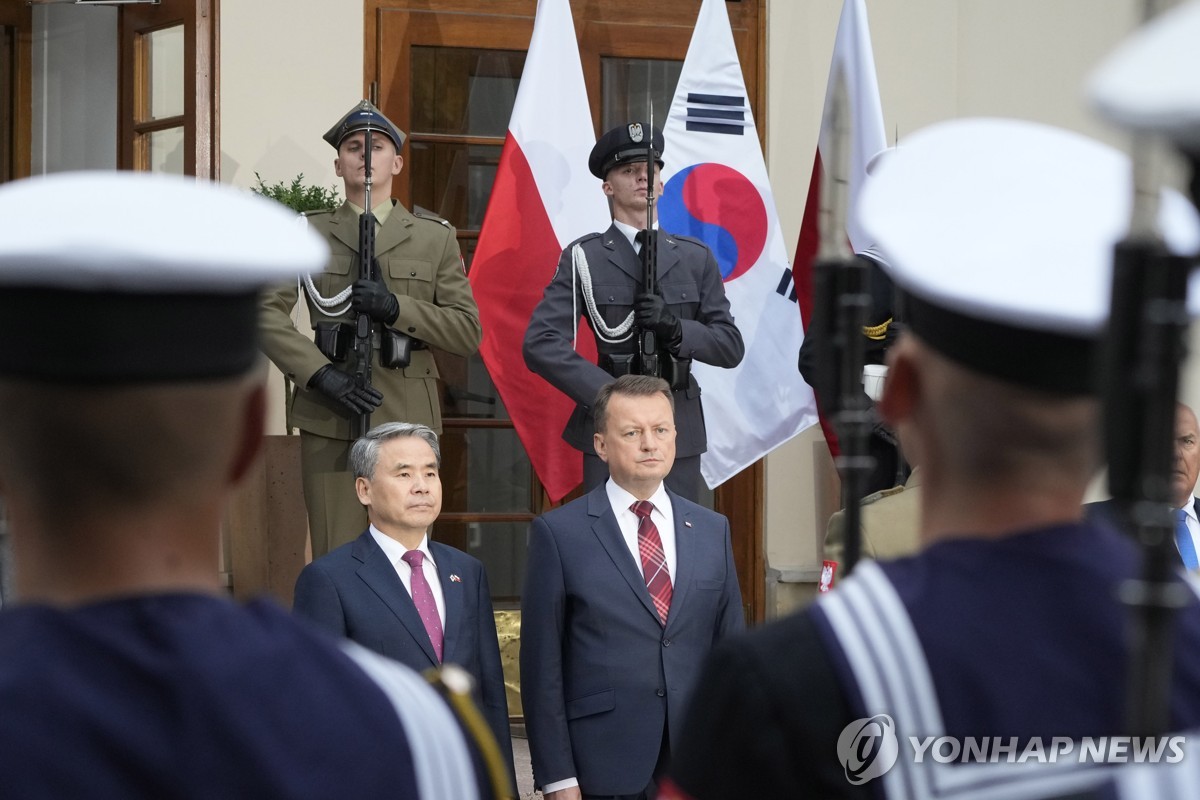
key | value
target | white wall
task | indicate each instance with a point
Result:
(282, 87)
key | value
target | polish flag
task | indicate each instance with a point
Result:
(853, 57)
(543, 198)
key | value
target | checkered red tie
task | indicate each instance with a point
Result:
(654, 561)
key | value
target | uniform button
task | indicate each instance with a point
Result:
(661, 693)
(611, 298)
(413, 274)
(666, 642)
(426, 372)
(411, 329)
(685, 295)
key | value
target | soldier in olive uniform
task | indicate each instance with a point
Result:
(600, 277)
(419, 293)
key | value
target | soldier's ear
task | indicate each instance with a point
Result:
(607, 187)
(397, 164)
(902, 387)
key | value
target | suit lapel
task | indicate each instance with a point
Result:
(668, 254)
(685, 557)
(397, 229)
(379, 574)
(604, 525)
(448, 564)
(621, 254)
(345, 226)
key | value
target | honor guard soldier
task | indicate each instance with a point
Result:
(602, 277)
(1006, 628)
(410, 297)
(125, 669)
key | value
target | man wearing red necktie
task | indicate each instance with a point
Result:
(627, 589)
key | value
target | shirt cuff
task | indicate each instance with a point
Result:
(560, 785)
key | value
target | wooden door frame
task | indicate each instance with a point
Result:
(201, 59)
(604, 27)
(20, 18)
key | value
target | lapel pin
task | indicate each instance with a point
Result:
(455, 579)
(687, 524)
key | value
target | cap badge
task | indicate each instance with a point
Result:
(635, 132)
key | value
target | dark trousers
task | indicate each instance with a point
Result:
(683, 479)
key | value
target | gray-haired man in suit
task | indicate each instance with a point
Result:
(395, 590)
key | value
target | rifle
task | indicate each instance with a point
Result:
(1142, 355)
(647, 341)
(366, 263)
(842, 301)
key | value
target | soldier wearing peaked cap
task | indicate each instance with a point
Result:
(419, 295)
(1007, 623)
(601, 278)
(124, 670)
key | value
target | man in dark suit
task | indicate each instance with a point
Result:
(600, 277)
(627, 589)
(1184, 473)
(397, 592)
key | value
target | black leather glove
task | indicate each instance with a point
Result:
(651, 313)
(338, 386)
(372, 298)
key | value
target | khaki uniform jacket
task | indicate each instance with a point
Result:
(419, 261)
(891, 523)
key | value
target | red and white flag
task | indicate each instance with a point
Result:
(543, 199)
(853, 57)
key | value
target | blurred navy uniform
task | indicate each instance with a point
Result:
(420, 292)
(600, 277)
(125, 670)
(1008, 622)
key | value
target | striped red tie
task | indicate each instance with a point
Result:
(654, 560)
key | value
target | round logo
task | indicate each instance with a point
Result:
(867, 748)
(720, 207)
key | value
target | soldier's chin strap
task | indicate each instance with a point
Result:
(604, 332)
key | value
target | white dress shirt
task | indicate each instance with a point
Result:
(663, 517)
(631, 233)
(395, 552)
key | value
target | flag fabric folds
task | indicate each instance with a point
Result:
(716, 189)
(854, 59)
(542, 199)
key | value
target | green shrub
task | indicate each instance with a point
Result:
(298, 196)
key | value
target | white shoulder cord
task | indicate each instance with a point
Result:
(322, 303)
(319, 301)
(579, 266)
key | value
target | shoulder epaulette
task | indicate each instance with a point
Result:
(425, 214)
(871, 498)
(317, 212)
(586, 237)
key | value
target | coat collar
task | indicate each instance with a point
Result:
(380, 576)
(622, 255)
(397, 229)
(605, 528)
